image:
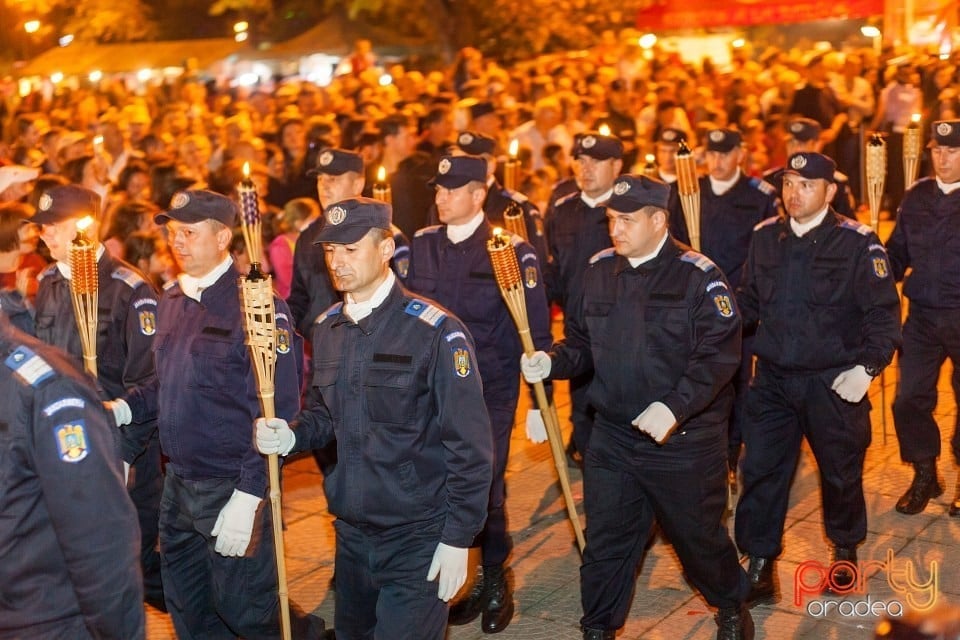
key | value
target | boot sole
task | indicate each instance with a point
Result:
(500, 628)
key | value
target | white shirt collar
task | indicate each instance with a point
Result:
(720, 187)
(801, 229)
(357, 311)
(669, 178)
(64, 267)
(636, 262)
(947, 187)
(459, 232)
(192, 287)
(593, 203)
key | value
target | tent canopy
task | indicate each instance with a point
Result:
(664, 15)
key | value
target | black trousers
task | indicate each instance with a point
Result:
(582, 413)
(494, 540)
(382, 588)
(145, 487)
(630, 482)
(930, 336)
(782, 410)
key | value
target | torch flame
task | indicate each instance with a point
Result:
(650, 158)
(382, 174)
(604, 130)
(514, 148)
(246, 170)
(84, 223)
(915, 118)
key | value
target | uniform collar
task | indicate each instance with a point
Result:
(720, 187)
(636, 262)
(357, 311)
(801, 230)
(457, 233)
(947, 188)
(667, 249)
(593, 203)
(193, 287)
(64, 267)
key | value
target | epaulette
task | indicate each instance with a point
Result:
(28, 366)
(854, 225)
(516, 196)
(47, 272)
(772, 220)
(170, 285)
(699, 260)
(431, 229)
(132, 278)
(602, 255)
(763, 186)
(564, 199)
(839, 176)
(332, 310)
(426, 312)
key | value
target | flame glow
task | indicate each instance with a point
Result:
(514, 148)
(84, 223)
(382, 174)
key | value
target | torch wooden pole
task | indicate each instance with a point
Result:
(876, 171)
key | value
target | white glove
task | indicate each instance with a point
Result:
(235, 524)
(120, 410)
(535, 368)
(274, 436)
(126, 472)
(536, 429)
(450, 564)
(852, 384)
(657, 420)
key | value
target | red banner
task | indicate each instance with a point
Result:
(669, 14)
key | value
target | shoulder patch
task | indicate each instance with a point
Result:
(772, 220)
(839, 176)
(567, 198)
(427, 230)
(763, 186)
(428, 313)
(65, 403)
(602, 255)
(699, 260)
(46, 272)
(853, 225)
(28, 366)
(450, 337)
(129, 276)
(332, 310)
(71, 441)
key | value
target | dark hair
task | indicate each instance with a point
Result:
(128, 216)
(140, 245)
(132, 168)
(164, 182)
(12, 216)
(392, 124)
(73, 170)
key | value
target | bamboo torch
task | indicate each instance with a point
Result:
(507, 271)
(514, 222)
(911, 151)
(511, 168)
(876, 172)
(84, 287)
(650, 166)
(688, 187)
(256, 295)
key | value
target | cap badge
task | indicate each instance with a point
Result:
(444, 166)
(796, 127)
(466, 138)
(326, 158)
(179, 200)
(588, 142)
(336, 215)
(798, 162)
(45, 202)
(669, 136)
(944, 129)
(621, 188)
(716, 136)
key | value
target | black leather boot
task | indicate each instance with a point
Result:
(599, 634)
(763, 582)
(955, 505)
(469, 608)
(842, 577)
(925, 486)
(498, 608)
(734, 623)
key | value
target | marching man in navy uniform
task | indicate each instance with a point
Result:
(819, 290)
(126, 325)
(395, 384)
(216, 537)
(69, 533)
(450, 264)
(658, 326)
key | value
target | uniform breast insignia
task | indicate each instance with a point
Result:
(602, 255)
(283, 341)
(28, 366)
(530, 277)
(71, 441)
(853, 225)
(461, 361)
(132, 278)
(699, 260)
(148, 321)
(428, 313)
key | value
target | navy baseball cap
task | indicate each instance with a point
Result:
(634, 192)
(669, 135)
(723, 140)
(476, 143)
(347, 221)
(336, 162)
(811, 166)
(196, 205)
(804, 129)
(597, 146)
(66, 201)
(455, 171)
(945, 133)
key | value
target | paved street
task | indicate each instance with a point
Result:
(546, 562)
